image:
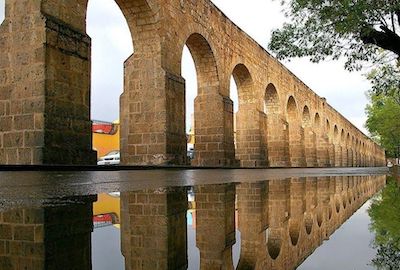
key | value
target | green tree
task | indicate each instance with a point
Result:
(383, 112)
(385, 224)
(355, 29)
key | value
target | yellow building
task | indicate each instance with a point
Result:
(105, 137)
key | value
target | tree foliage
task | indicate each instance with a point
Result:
(385, 223)
(383, 112)
(355, 29)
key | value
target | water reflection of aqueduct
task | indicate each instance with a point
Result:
(281, 222)
(45, 97)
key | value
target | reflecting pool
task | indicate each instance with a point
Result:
(304, 222)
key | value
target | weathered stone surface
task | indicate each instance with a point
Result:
(57, 237)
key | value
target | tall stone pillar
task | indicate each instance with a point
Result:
(251, 137)
(323, 151)
(48, 238)
(310, 139)
(278, 141)
(296, 145)
(215, 219)
(350, 158)
(331, 149)
(344, 156)
(214, 131)
(154, 229)
(338, 155)
(45, 84)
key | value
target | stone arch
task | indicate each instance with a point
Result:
(214, 126)
(349, 150)
(308, 223)
(296, 134)
(277, 137)
(306, 117)
(337, 147)
(310, 138)
(337, 205)
(107, 56)
(245, 123)
(336, 134)
(274, 243)
(294, 232)
(342, 137)
(328, 127)
(271, 101)
(319, 219)
(292, 110)
(330, 213)
(206, 65)
(244, 82)
(317, 121)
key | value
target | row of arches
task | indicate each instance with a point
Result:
(300, 219)
(279, 122)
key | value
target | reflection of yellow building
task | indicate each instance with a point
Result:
(107, 204)
(105, 137)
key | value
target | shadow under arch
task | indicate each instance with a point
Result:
(306, 117)
(291, 110)
(317, 121)
(296, 134)
(319, 219)
(337, 205)
(271, 101)
(308, 223)
(274, 243)
(294, 232)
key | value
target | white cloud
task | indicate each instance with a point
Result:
(2, 10)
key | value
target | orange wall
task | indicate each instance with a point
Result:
(105, 143)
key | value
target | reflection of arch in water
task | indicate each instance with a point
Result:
(294, 232)
(274, 243)
(319, 218)
(308, 223)
(337, 206)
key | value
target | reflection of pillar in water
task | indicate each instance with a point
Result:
(215, 233)
(153, 228)
(253, 216)
(54, 237)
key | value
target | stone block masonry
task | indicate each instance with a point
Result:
(45, 93)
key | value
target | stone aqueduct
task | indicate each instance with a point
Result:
(45, 93)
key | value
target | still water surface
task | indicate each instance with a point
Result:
(305, 222)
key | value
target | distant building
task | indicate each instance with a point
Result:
(105, 137)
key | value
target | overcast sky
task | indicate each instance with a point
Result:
(111, 45)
